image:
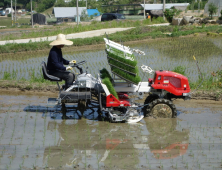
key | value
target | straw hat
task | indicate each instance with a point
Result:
(61, 40)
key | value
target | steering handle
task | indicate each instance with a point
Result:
(79, 63)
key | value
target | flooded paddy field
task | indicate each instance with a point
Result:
(159, 54)
(34, 136)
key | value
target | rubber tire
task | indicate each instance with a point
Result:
(148, 100)
(162, 101)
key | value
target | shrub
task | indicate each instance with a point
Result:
(169, 13)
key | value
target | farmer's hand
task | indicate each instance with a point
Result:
(72, 62)
(68, 68)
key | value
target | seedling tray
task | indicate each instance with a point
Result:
(124, 78)
(122, 69)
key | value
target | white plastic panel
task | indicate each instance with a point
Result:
(141, 87)
(105, 89)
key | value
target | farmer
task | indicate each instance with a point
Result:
(56, 61)
(147, 16)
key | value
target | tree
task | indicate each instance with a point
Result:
(45, 4)
(23, 2)
(60, 3)
(212, 9)
(169, 13)
(5, 3)
(28, 6)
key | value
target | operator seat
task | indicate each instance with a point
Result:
(50, 77)
(47, 76)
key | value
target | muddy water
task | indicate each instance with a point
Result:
(33, 136)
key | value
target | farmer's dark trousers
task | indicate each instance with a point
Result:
(65, 75)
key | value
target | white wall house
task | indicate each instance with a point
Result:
(67, 13)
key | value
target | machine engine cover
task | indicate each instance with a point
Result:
(172, 82)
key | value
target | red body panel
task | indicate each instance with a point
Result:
(111, 101)
(172, 82)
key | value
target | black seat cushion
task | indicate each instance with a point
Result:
(47, 76)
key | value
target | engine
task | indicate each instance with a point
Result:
(172, 82)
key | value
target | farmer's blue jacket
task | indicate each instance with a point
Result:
(56, 61)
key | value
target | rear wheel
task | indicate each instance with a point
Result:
(162, 108)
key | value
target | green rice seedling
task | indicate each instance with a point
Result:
(85, 163)
(110, 87)
(121, 59)
(7, 76)
(105, 74)
(34, 130)
(45, 128)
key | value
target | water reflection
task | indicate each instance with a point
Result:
(85, 143)
(164, 140)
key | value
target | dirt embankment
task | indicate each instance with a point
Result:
(38, 88)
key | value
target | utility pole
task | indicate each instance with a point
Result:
(86, 4)
(144, 10)
(77, 11)
(15, 12)
(31, 14)
(12, 12)
(164, 2)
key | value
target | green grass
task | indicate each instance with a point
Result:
(180, 70)
(95, 25)
(138, 33)
(7, 21)
(213, 82)
(33, 78)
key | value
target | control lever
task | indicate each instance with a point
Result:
(80, 69)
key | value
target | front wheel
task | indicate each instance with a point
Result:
(162, 108)
(148, 100)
